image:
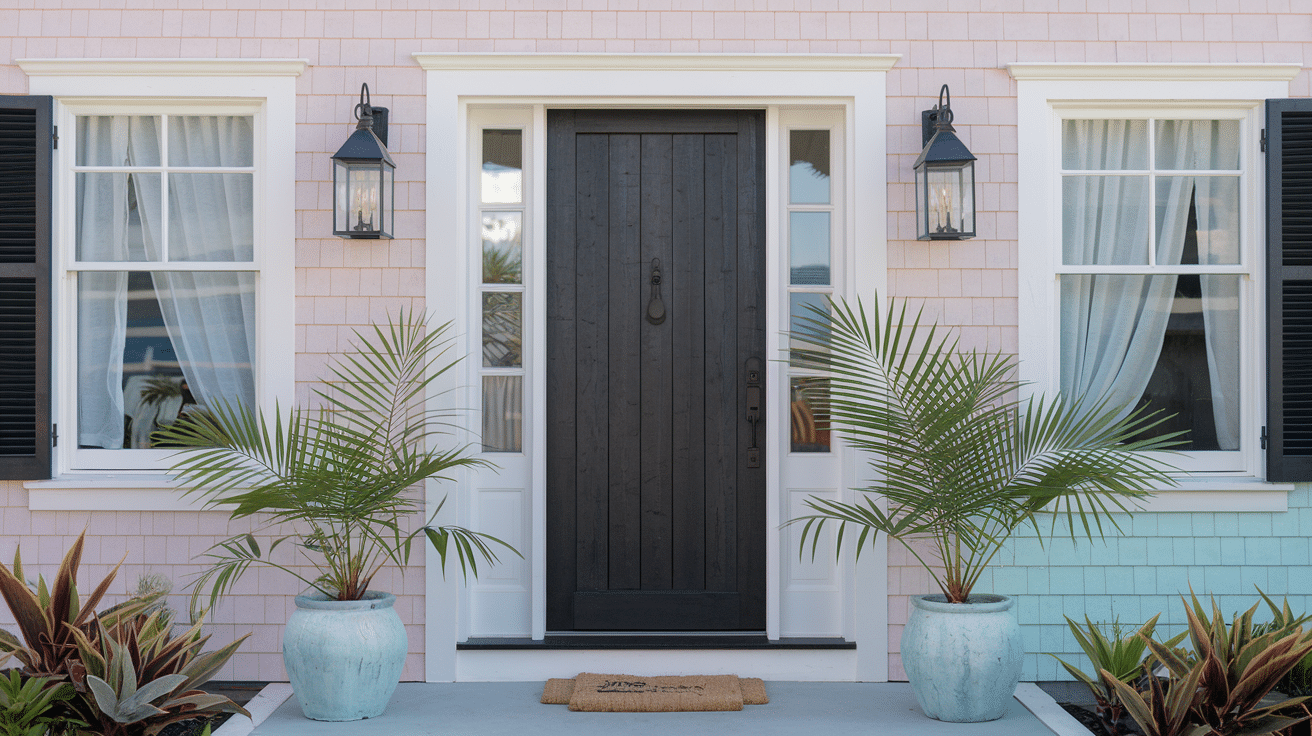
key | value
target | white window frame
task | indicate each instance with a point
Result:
(1047, 94)
(264, 89)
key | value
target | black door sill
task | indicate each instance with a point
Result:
(659, 641)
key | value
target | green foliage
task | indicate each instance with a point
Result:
(1299, 680)
(140, 678)
(28, 705)
(49, 617)
(342, 475)
(1220, 685)
(1117, 657)
(960, 460)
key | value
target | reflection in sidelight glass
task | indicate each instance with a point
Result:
(503, 418)
(809, 414)
(502, 247)
(503, 329)
(804, 319)
(503, 167)
(808, 170)
(808, 244)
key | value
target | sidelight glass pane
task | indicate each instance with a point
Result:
(503, 252)
(808, 240)
(503, 329)
(503, 414)
(803, 317)
(808, 172)
(503, 167)
(809, 414)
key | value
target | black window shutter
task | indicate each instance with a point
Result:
(1289, 289)
(25, 154)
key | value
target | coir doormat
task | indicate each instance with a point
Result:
(632, 694)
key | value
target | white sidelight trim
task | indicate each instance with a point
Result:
(466, 91)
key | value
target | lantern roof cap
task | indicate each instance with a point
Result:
(363, 145)
(944, 148)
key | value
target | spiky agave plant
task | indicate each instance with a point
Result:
(342, 475)
(960, 459)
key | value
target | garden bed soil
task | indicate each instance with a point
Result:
(240, 693)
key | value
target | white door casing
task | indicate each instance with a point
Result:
(469, 92)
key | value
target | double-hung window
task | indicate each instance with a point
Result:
(172, 249)
(1141, 249)
(1154, 280)
(162, 279)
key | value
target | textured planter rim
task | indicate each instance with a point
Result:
(978, 603)
(373, 599)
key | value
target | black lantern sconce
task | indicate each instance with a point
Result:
(945, 177)
(363, 177)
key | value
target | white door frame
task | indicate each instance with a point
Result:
(458, 82)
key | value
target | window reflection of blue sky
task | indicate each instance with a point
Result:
(808, 236)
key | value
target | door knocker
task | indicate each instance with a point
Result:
(656, 307)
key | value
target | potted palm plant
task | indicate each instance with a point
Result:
(961, 462)
(339, 482)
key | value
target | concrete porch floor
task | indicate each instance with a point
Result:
(820, 708)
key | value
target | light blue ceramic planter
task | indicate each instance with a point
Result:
(963, 659)
(344, 658)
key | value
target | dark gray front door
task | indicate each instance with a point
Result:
(655, 314)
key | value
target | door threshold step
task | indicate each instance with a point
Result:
(648, 641)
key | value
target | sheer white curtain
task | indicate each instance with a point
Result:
(210, 316)
(1205, 144)
(1112, 327)
(108, 229)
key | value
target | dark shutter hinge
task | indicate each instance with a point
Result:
(54, 435)
(1264, 140)
(54, 137)
(1263, 437)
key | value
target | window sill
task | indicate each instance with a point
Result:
(1220, 495)
(117, 492)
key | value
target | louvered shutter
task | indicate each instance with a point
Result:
(25, 153)
(1289, 289)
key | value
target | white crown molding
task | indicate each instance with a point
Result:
(162, 67)
(1060, 71)
(658, 62)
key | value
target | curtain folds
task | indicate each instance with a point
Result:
(209, 317)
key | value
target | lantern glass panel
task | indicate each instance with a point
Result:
(363, 190)
(922, 212)
(950, 201)
(387, 200)
(340, 200)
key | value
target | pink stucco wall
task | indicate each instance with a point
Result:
(964, 43)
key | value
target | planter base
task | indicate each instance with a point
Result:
(963, 659)
(344, 658)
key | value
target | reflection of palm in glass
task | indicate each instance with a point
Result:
(502, 329)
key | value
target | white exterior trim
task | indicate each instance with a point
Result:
(657, 62)
(1174, 72)
(461, 82)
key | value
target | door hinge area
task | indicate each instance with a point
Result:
(54, 435)
(1263, 437)
(54, 136)
(1264, 140)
